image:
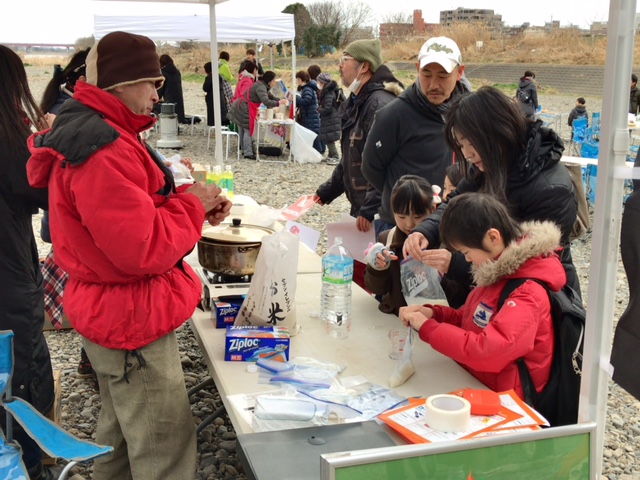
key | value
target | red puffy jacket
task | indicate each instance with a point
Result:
(121, 241)
(488, 342)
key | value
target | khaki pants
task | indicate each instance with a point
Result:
(148, 419)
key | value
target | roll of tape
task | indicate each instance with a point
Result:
(448, 413)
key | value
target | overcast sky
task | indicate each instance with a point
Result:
(47, 21)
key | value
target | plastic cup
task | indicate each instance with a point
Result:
(397, 337)
(269, 113)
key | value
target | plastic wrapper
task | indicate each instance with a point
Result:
(365, 398)
(302, 145)
(301, 376)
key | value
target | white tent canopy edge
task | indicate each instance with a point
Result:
(175, 28)
(226, 29)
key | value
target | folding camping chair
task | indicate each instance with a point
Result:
(52, 439)
(579, 136)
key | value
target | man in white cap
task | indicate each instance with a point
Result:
(407, 136)
(121, 228)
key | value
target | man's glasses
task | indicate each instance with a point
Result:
(345, 59)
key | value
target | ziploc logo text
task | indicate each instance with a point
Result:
(237, 344)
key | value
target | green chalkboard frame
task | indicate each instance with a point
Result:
(562, 453)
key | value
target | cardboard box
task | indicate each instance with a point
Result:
(199, 173)
(55, 415)
(224, 309)
(248, 344)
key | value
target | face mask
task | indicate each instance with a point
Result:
(355, 85)
(319, 86)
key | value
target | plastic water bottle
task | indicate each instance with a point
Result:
(262, 112)
(335, 299)
(228, 180)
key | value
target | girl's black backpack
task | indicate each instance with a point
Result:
(558, 401)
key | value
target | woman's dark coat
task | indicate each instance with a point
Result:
(328, 109)
(171, 89)
(21, 294)
(307, 103)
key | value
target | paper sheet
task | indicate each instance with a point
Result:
(352, 239)
(308, 235)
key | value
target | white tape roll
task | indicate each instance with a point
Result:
(448, 413)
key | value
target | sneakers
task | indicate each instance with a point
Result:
(333, 161)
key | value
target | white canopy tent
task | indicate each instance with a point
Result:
(225, 29)
(175, 28)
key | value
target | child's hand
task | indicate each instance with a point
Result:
(382, 259)
(415, 315)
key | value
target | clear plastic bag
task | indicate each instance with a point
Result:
(421, 283)
(405, 368)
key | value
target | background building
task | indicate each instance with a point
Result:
(461, 14)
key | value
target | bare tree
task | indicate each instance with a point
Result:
(398, 17)
(348, 17)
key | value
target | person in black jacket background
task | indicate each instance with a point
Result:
(515, 159)
(171, 89)
(329, 118)
(527, 94)
(21, 295)
(207, 86)
(307, 103)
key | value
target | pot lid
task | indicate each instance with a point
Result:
(236, 232)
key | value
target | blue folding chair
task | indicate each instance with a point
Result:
(579, 137)
(52, 439)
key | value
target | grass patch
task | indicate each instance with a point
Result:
(193, 77)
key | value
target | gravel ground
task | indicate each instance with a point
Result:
(278, 185)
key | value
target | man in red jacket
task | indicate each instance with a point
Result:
(120, 228)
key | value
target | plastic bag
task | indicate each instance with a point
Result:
(272, 291)
(405, 368)
(367, 399)
(421, 283)
(298, 375)
(302, 145)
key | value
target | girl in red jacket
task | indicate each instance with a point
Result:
(488, 342)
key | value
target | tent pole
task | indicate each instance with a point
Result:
(293, 75)
(215, 80)
(614, 144)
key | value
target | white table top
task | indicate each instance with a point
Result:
(585, 161)
(364, 352)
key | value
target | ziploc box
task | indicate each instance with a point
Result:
(249, 343)
(224, 309)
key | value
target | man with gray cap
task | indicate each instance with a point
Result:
(121, 228)
(407, 136)
(370, 86)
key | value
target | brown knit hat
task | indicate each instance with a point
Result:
(121, 58)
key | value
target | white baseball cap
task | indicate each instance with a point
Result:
(440, 50)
